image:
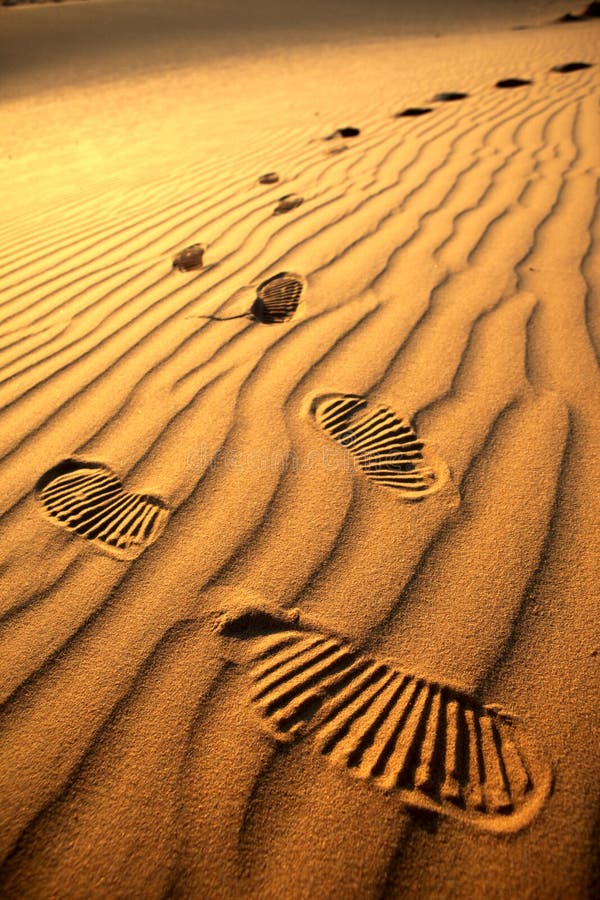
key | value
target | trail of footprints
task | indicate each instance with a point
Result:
(192, 257)
(90, 500)
(440, 748)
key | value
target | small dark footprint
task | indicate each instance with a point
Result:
(287, 203)
(269, 178)
(190, 258)
(278, 298)
(571, 67)
(90, 500)
(383, 444)
(513, 82)
(347, 132)
(414, 111)
(439, 747)
(449, 96)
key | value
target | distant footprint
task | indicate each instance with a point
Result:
(278, 298)
(439, 747)
(384, 445)
(190, 258)
(449, 96)
(287, 203)
(414, 111)
(269, 178)
(513, 82)
(347, 132)
(89, 499)
(571, 67)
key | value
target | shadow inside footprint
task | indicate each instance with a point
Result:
(254, 620)
(513, 82)
(571, 67)
(449, 96)
(414, 111)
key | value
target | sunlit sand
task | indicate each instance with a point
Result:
(299, 396)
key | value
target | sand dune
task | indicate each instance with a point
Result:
(318, 499)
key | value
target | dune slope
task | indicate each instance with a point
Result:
(175, 502)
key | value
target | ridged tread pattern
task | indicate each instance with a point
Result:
(440, 747)
(384, 445)
(278, 298)
(89, 499)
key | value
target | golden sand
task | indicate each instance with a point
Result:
(300, 531)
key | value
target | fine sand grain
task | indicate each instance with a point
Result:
(300, 508)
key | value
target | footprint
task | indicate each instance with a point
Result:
(414, 111)
(513, 82)
(278, 298)
(571, 67)
(448, 96)
(269, 178)
(439, 747)
(290, 201)
(384, 445)
(89, 499)
(190, 258)
(347, 132)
